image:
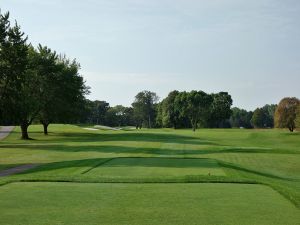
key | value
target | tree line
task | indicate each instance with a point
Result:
(39, 85)
(36, 83)
(192, 110)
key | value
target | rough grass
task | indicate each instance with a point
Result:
(72, 154)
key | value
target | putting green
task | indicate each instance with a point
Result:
(156, 167)
(138, 204)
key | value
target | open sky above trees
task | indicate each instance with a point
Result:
(250, 49)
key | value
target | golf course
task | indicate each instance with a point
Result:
(150, 176)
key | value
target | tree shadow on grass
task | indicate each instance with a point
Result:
(125, 136)
(84, 165)
(170, 150)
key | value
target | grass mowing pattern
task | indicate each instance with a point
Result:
(141, 204)
(156, 167)
(270, 157)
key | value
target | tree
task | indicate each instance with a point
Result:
(258, 118)
(62, 88)
(240, 118)
(286, 112)
(298, 117)
(45, 64)
(170, 114)
(220, 109)
(144, 108)
(195, 105)
(35, 82)
(13, 67)
(18, 88)
(269, 111)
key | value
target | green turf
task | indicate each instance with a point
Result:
(66, 203)
(156, 167)
(70, 153)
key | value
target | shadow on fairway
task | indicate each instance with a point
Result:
(89, 164)
(140, 137)
(85, 165)
(172, 150)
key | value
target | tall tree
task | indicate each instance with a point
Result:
(240, 118)
(220, 109)
(144, 108)
(286, 112)
(62, 88)
(259, 118)
(298, 117)
(269, 111)
(195, 105)
(170, 114)
(13, 66)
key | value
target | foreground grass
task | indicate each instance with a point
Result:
(66, 203)
(72, 154)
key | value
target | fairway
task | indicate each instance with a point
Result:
(152, 176)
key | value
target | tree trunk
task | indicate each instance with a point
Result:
(45, 125)
(24, 129)
(149, 121)
(194, 125)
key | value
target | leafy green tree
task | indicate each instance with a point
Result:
(298, 117)
(101, 107)
(269, 111)
(195, 105)
(13, 70)
(258, 118)
(220, 109)
(286, 112)
(241, 118)
(119, 116)
(170, 114)
(62, 88)
(144, 108)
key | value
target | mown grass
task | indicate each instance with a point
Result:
(72, 154)
(139, 204)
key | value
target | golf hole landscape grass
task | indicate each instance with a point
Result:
(154, 176)
(67, 203)
(156, 167)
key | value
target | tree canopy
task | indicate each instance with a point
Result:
(286, 113)
(35, 82)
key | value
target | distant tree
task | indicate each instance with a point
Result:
(170, 114)
(298, 117)
(159, 114)
(118, 116)
(144, 108)
(195, 105)
(286, 112)
(98, 110)
(269, 111)
(258, 118)
(220, 109)
(240, 118)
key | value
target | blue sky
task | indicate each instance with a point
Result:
(249, 48)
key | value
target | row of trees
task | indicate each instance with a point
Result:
(178, 110)
(36, 83)
(195, 108)
(191, 110)
(100, 112)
